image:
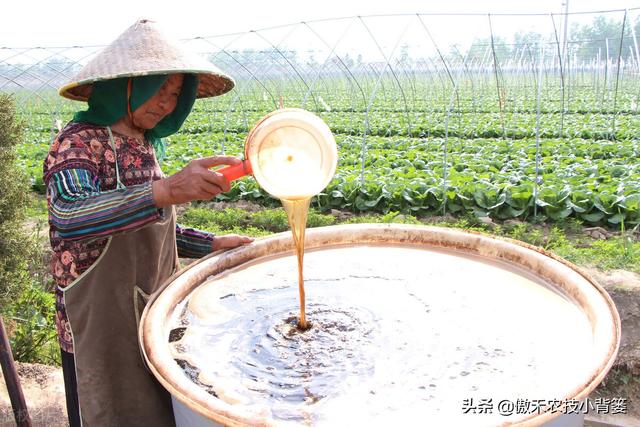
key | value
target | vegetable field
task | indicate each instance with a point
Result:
(433, 153)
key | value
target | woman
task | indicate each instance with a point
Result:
(112, 223)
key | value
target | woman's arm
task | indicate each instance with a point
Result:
(78, 210)
(193, 243)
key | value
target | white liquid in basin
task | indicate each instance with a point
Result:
(400, 334)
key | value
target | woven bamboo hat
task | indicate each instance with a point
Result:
(142, 50)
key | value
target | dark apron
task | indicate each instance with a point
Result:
(103, 307)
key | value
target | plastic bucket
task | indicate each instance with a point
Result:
(450, 256)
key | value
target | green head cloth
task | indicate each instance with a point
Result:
(108, 104)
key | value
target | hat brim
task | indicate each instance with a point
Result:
(209, 84)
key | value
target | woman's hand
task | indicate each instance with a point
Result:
(229, 241)
(194, 182)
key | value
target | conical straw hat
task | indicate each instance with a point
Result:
(142, 50)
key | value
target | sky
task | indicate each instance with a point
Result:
(30, 23)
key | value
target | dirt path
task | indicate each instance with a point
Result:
(43, 388)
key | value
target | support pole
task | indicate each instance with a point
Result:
(20, 412)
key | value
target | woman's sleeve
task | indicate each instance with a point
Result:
(193, 243)
(78, 210)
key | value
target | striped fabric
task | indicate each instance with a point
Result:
(193, 243)
(80, 211)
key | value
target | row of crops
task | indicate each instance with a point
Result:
(433, 151)
(595, 181)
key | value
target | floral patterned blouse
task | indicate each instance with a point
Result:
(87, 204)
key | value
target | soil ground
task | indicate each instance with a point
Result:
(43, 388)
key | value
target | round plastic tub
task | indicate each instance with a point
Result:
(507, 334)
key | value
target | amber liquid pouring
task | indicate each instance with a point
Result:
(297, 211)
